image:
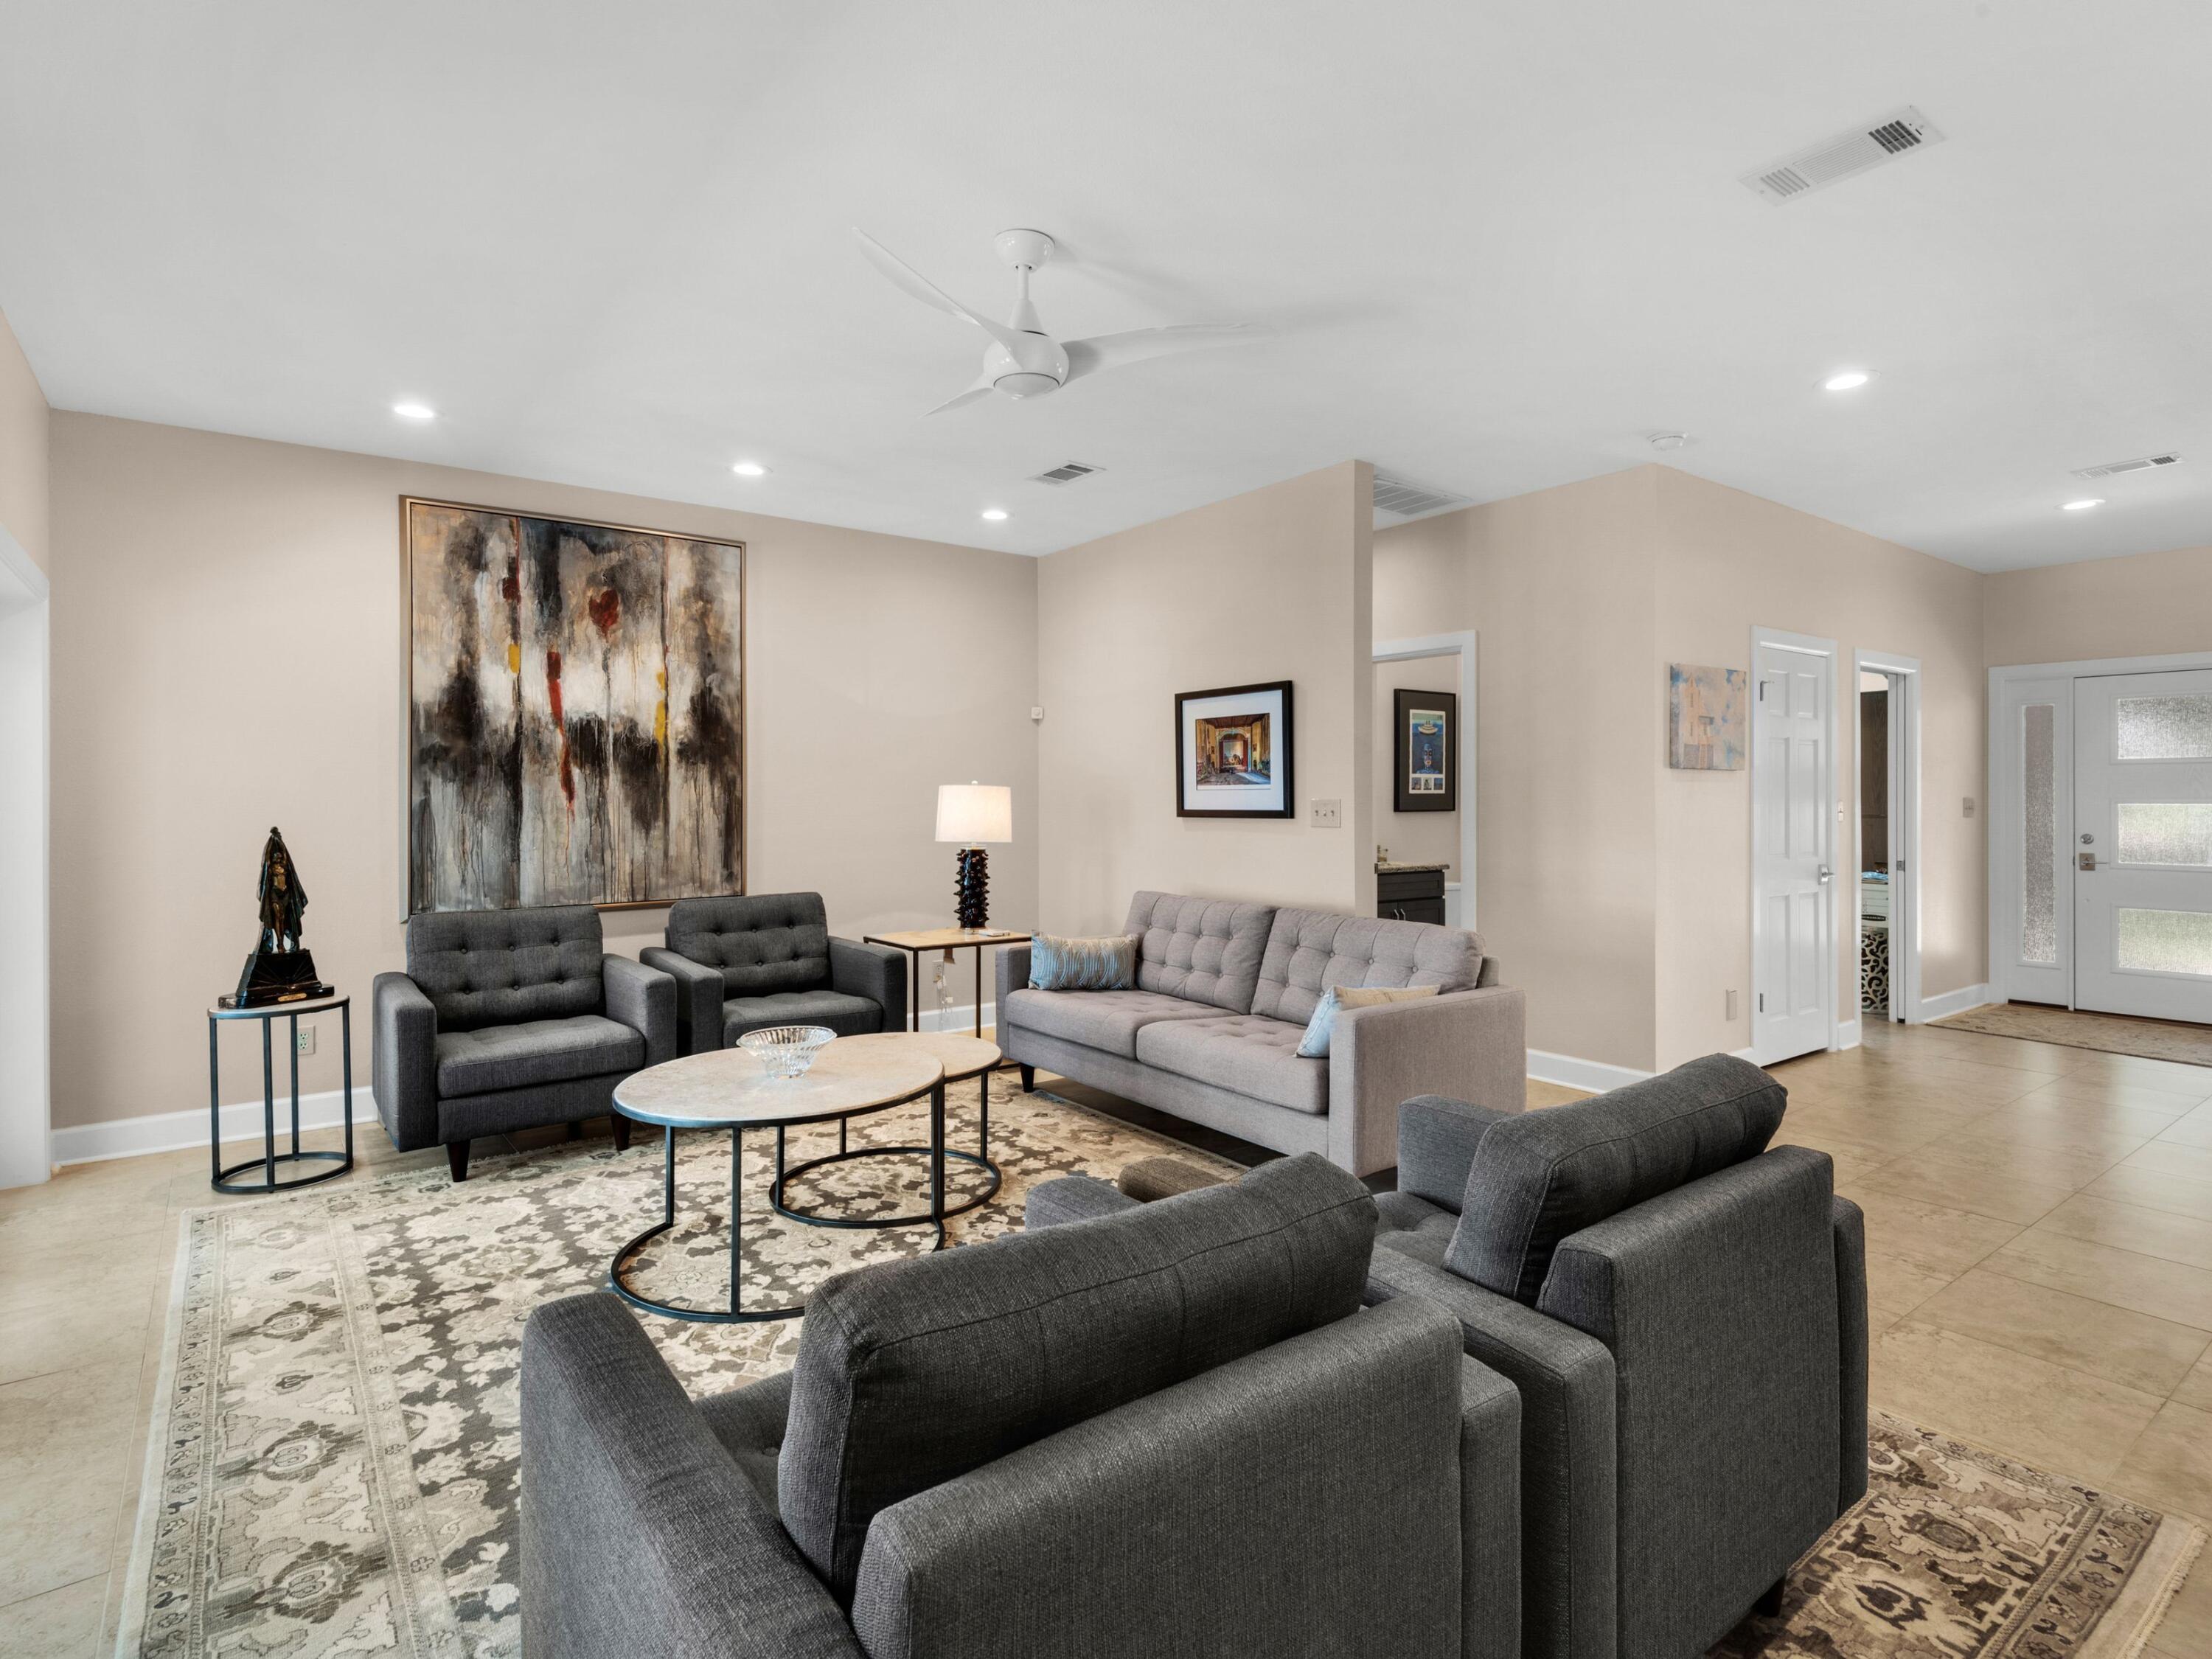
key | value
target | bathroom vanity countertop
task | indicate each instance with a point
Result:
(1395, 869)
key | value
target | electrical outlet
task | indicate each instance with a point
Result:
(307, 1039)
(1328, 814)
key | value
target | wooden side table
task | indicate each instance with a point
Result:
(947, 939)
(270, 1157)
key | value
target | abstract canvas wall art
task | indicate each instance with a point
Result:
(1705, 714)
(1233, 752)
(576, 714)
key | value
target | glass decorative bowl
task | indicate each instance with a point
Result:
(786, 1050)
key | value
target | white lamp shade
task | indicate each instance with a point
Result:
(974, 813)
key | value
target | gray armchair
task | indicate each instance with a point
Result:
(1170, 1433)
(508, 1019)
(768, 959)
(1683, 1311)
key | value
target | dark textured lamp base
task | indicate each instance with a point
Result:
(971, 888)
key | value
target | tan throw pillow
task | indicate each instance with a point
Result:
(1314, 1044)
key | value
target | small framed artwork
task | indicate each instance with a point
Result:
(1233, 752)
(1427, 750)
(1705, 713)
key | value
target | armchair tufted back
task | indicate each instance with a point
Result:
(1310, 951)
(762, 942)
(501, 967)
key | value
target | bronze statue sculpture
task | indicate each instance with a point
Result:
(280, 970)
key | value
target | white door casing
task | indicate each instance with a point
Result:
(1903, 674)
(2143, 844)
(1793, 845)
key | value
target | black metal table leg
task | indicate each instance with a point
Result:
(736, 1313)
(268, 1110)
(294, 1033)
(738, 1211)
(979, 991)
(215, 1109)
(937, 1156)
(345, 1047)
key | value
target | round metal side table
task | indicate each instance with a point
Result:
(963, 1057)
(270, 1157)
(728, 1089)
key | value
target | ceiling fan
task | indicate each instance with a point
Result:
(1023, 360)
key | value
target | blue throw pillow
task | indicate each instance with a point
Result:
(1314, 1045)
(1081, 964)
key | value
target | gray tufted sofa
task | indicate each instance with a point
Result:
(507, 1019)
(768, 959)
(1223, 992)
(1171, 1432)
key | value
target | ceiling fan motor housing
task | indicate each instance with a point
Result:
(1036, 365)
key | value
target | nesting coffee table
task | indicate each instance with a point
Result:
(729, 1089)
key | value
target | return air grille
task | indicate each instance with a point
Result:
(2141, 463)
(1844, 156)
(1066, 473)
(1396, 496)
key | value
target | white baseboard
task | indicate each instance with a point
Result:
(1953, 1002)
(1849, 1033)
(170, 1132)
(1571, 1072)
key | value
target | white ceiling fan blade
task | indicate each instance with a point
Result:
(927, 291)
(980, 387)
(1104, 351)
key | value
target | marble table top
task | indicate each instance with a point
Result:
(729, 1089)
(962, 1055)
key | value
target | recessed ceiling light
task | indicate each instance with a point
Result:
(415, 412)
(750, 470)
(2084, 505)
(1849, 379)
(994, 514)
(1669, 439)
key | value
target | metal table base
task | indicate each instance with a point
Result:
(224, 1180)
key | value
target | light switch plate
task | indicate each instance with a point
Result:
(1328, 814)
(1966, 807)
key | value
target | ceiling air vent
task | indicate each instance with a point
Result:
(1066, 473)
(1401, 499)
(1844, 155)
(2141, 463)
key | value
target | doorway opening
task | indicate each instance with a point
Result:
(1887, 901)
(1439, 662)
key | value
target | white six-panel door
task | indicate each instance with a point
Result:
(2142, 853)
(1793, 846)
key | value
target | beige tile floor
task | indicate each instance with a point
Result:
(2039, 1230)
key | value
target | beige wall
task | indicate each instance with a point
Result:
(226, 656)
(23, 427)
(1558, 587)
(1269, 586)
(1728, 562)
(1614, 888)
(1412, 837)
(2146, 605)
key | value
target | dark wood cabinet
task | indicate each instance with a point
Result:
(1409, 896)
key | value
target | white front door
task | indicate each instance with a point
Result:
(2142, 822)
(1792, 848)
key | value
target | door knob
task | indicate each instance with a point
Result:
(1826, 874)
(2086, 860)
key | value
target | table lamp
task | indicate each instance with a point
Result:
(969, 815)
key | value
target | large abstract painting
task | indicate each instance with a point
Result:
(575, 712)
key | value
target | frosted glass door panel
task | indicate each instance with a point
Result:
(2164, 728)
(2164, 832)
(2165, 942)
(2039, 919)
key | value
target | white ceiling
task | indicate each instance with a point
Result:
(1498, 245)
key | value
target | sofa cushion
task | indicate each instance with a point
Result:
(496, 967)
(1537, 1178)
(762, 942)
(848, 1016)
(1242, 1053)
(1309, 950)
(1203, 950)
(1314, 1045)
(1083, 964)
(533, 1052)
(750, 1423)
(911, 1373)
(1106, 1020)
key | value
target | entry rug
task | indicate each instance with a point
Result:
(332, 1468)
(2111, 1034)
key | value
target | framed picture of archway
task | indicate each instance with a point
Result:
(1233, 752)
(575, 711)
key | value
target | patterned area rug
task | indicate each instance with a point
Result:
(2111, 1034)
(333, 1462)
